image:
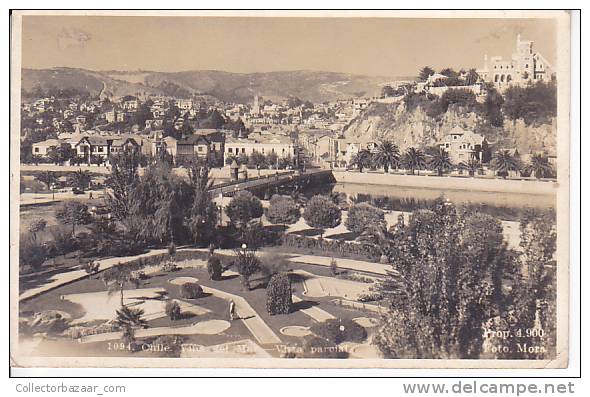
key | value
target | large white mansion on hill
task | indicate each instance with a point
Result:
(525, 66)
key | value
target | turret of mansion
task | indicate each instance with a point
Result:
(525, 66)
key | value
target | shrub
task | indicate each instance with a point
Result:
(322, 213)
(247, 264)
(172, 310)
(62, 242)
(361, 215)
(278, 294)
(370, 297)
(171, 249)
(168, 345)
(337, 247)
(333, 266)
(282, 210)
(339, 330)
(91, 267)
(191, 291)
(169, 266)
(272, 263)
(214, 268)
(31, 254)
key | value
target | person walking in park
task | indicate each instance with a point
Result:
(232, 310)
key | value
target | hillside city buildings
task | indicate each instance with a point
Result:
(98, 128)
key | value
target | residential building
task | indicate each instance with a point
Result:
(42, 148)
(185, 149)
(282, 146)
(462, 145)
(525, 65)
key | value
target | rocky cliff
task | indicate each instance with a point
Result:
(415, 128)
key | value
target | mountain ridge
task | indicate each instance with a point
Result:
(315, 86)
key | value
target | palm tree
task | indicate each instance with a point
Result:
(504, 162)
(472, 77)
(414, 159)
(386, 155)
(80, 179)
(440, 161)
(540, 166)
(129, 318)
(117, 277)
(362, 159)
(472, 166)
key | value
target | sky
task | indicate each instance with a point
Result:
(365, 46)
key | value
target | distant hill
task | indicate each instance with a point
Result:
(229, 87)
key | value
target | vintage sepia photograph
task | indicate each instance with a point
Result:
(253, 189)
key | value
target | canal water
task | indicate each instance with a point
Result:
(507, 206)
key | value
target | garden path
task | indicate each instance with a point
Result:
(259, 329)
(350, 264)
(318, 286)
(314, 312)
(208, 327)
(66, 278)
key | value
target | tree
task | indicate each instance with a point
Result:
(282, 210)
(73, 213)
(36, 226)
(60, 154)
(362, 215)
(257, 160)
(493, 106)
(48, 178)
(117, 277)
(80, 179)
(504, 162)
(472, 77)
(272, 159)
(121, 181)
(540, 166)
(159, 205)
(471, 166)
(535, 299)
(202, 218)
(425, 72)
(243, 207)
(449, 72)
(449, 275)
(414, 159)
(362, 159)
(440, 161)
(536, 103)
(278, 295)
(457, 96)
(321, 213)
(248, 264)
(386, 155)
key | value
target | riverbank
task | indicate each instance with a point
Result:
(535, 187)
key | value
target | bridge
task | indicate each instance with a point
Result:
(228, 189)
